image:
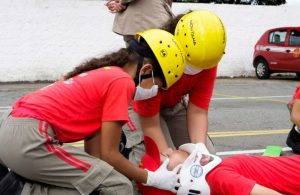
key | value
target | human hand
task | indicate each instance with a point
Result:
(189, 147)
(115, 6)
(165, 154)
(164, 179)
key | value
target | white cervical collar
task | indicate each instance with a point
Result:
(192, 174)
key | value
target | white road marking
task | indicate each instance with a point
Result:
(257, 97)
(257, 151)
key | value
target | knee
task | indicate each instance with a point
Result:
(117, 185)
(127, 187)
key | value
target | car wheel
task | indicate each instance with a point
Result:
(262, 69)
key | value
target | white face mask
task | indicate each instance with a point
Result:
(143, 94)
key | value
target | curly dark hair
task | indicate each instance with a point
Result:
(118, 58)
(171, 24)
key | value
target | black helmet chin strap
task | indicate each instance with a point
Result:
(144, 51)
(138, 69)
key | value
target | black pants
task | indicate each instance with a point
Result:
(10, 183)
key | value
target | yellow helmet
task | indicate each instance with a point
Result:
(203, 38)
(168, 53)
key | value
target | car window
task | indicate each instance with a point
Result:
(294, 39)
(277, 37)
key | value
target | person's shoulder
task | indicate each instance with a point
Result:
(113, 72)
(120, 76)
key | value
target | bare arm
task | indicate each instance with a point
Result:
(261, 190)
(197, 122)
(151, 128)
(105, 145)
(295, 115)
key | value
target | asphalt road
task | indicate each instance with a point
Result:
(246, 114)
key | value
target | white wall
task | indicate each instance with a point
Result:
(42, 39)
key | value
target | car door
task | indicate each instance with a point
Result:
(276, 49)
(292, 55)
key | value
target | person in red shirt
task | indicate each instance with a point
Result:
(234, 175)
(293, 138)
(91, 102)
(180, 114)
(256, 175)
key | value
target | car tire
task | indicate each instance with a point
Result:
(262, 69)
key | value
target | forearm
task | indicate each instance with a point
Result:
(295, 115)
(151, 128)
(122, 165)
(197, 123)
(116, 160)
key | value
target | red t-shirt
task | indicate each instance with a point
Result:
(199, 87)
(76, 108)
(296, 95)
(237, 175)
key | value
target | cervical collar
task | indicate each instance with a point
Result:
(192, 174)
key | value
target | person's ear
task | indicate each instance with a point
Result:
(146, 69)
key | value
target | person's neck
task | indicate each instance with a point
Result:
(130, 69)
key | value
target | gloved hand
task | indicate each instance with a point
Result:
(164, 179)
(189, 147)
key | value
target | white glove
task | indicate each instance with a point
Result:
(164, 179)
(190, 147)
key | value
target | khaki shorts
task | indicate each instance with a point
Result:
(29, 148)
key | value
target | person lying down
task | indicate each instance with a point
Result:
(204, 173)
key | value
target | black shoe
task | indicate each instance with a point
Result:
(11, 184)
(293, 140)
(3, 171)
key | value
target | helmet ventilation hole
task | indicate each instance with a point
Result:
(194, 191)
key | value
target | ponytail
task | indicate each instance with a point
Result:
(171, 24)
(118, 58)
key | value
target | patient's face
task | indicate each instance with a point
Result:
(178, 157)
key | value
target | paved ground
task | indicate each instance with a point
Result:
(245, 116)
(249, 114)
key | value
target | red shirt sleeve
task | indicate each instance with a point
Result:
(118, 97)
(296, 95)
(297, 92)
(148, 107)
(202, 92)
